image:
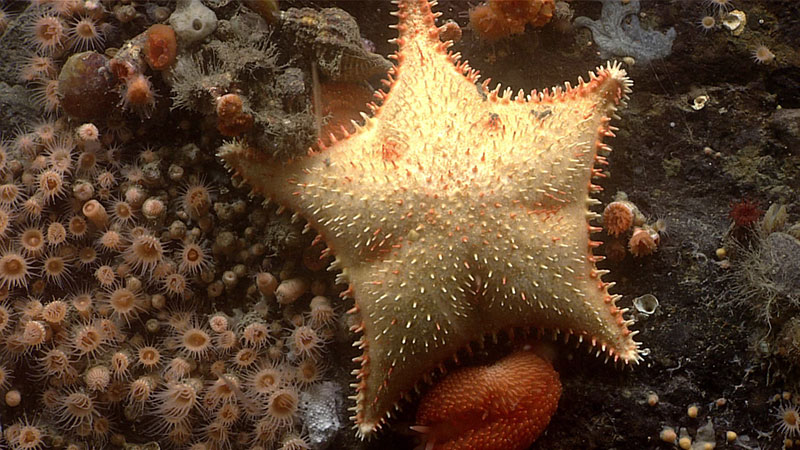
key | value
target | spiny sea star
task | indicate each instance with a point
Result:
(455, 213)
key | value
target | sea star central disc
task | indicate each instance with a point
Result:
(456, 212)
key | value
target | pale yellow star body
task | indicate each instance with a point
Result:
(456, 212)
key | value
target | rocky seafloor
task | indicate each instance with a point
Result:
(707, 128)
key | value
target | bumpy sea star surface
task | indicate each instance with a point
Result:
(455, 213)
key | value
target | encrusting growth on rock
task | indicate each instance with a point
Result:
(497, 19)
(456, 212)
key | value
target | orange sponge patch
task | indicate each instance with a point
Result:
(497, 19)
(161, 47)
(503, 406)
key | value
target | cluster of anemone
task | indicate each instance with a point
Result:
(107, 281)
(716, 13)
(58, 28)
(629, 230)
(718, 10)
(94, 301)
